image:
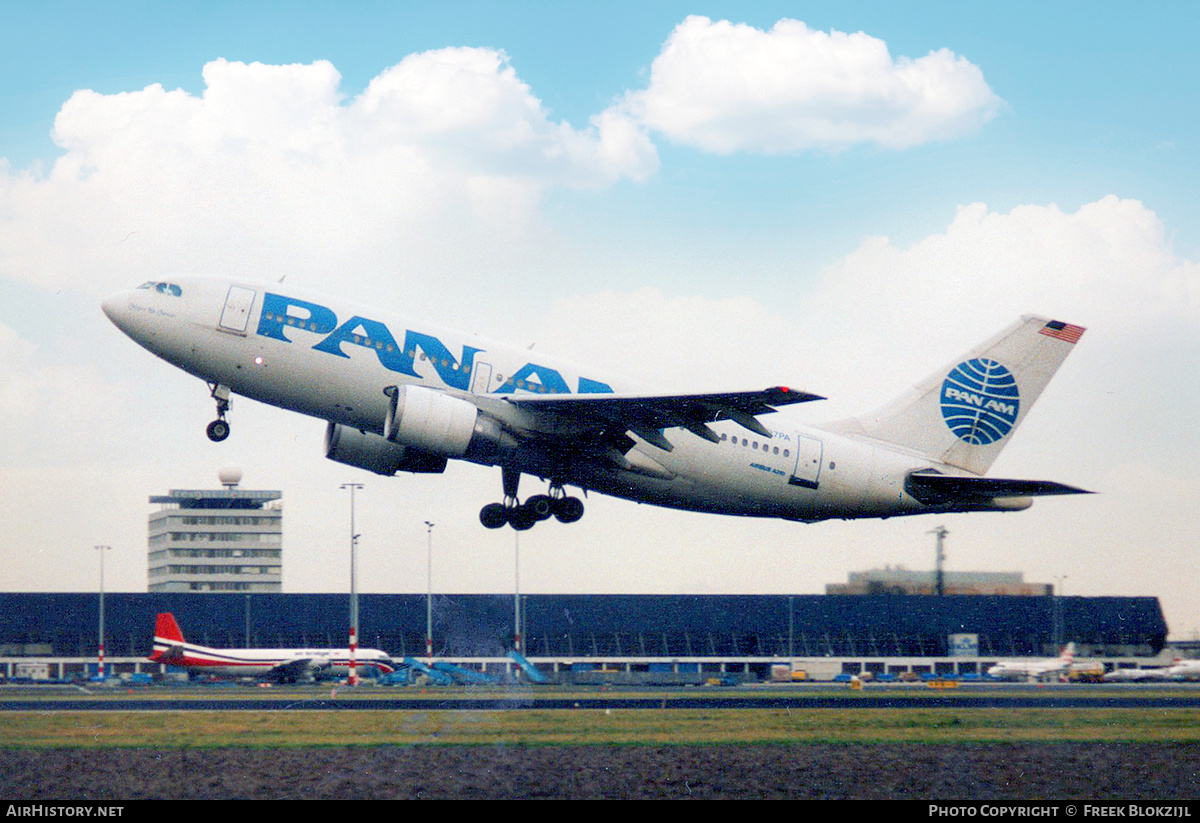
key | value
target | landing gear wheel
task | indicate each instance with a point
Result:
(522, 518)
(568, 509)
(218, 430)
(541, 506)
(493, 515)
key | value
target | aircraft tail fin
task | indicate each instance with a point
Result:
(964, 414)
(168, 639)
(165, 628)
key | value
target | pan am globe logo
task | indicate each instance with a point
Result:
(980, 401)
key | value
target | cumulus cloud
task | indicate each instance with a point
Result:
(439, 164)
(1108, 264)
(272, 170)
(724, 87)
(470, 102)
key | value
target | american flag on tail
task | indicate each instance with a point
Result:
(1063, 331)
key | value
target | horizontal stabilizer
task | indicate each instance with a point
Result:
(937, 489)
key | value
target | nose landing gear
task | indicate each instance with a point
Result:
(218, 429)
(539, 507)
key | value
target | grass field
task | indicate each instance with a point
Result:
(423, 722)
(275, 729)
(424, 750)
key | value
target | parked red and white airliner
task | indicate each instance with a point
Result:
(285, 665)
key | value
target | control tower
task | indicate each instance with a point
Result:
(217, 540)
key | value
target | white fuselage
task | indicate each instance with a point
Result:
(1029, 669)
(261, 663)
(1184, 669)
(1135, 675)
(332, 359)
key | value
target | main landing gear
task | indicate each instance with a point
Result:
(522, 516)
(218, 430)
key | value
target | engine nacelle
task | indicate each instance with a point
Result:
(429, 420)
(435, 422)
(423, 428)
(367, 450)
(1012, 504)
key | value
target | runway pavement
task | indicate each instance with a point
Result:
(813, 696)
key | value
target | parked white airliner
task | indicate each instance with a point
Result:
(1138, 675)
(400, 395)
(1184, 669)
(287, 665)
(1057, 667)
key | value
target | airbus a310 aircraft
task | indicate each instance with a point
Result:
(400, 395)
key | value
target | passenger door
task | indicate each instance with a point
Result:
(236, 314)
(809, 452)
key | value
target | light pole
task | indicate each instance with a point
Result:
(428, 592)
(100, 644)
(517, 591)
(1057, 628)
(352, 679)
(939, 580)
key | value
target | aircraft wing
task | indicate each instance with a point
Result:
(292, 669)
(934, 489)
(173, 655)
(647, 415)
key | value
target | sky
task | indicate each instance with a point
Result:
(704, 196)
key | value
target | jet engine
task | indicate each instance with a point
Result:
(435, 422)
(367, 450)
(423, 428)
(429, 420)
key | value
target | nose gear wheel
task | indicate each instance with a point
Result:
(218, 429)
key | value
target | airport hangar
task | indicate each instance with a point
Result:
(748, 636)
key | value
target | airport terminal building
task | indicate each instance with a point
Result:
(748, 634)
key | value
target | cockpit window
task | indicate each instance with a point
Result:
(162, 288)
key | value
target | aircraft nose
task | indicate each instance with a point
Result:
(116, 307)
(119, 308)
